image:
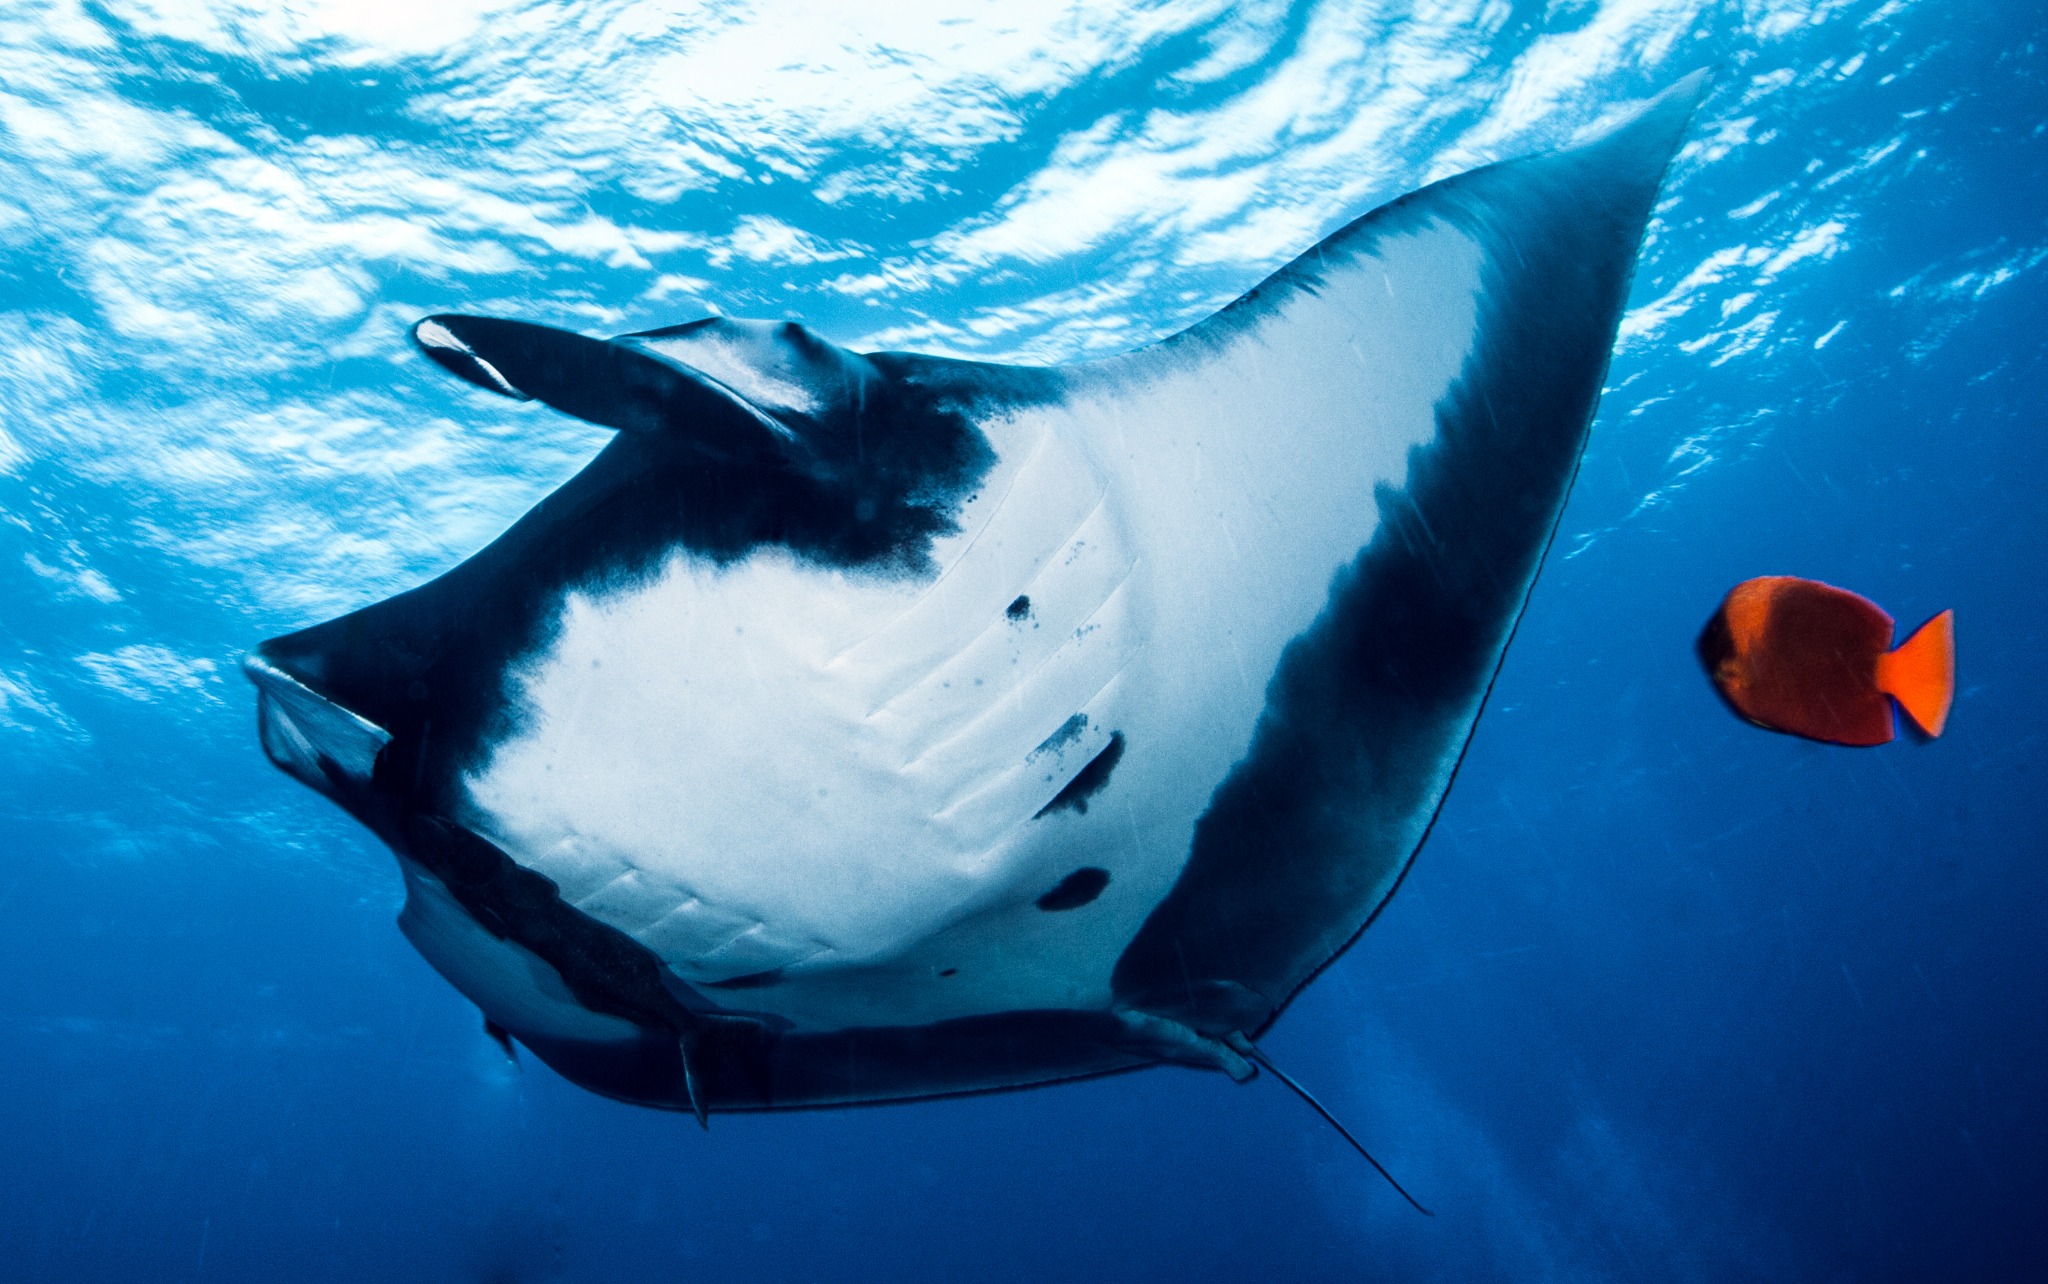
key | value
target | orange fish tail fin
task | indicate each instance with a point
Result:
(1921, 673)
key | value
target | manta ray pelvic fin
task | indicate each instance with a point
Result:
(1162, 1039)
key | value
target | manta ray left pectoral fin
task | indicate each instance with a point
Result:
(1242, 1044)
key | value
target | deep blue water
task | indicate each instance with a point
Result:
(1665, 996)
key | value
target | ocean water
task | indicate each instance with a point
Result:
(1665, 997)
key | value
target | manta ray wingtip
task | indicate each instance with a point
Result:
(1691, 87)
(1661, 120)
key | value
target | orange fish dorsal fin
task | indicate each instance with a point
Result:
(1921, 673)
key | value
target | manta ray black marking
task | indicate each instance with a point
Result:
(861, 727)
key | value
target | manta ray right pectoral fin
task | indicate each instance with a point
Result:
(1497, 294)
(1243, 1044)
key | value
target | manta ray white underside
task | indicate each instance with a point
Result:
(858, 727)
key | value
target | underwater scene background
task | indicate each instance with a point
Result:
(1665, 996)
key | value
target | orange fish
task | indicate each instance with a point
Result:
(1805, 657)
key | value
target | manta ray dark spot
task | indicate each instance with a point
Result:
(1076, 889)
(1020, 609)
(949, 971)
(1068, 732)
(1089, 781)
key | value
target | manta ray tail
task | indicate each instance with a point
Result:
(1249, 1049)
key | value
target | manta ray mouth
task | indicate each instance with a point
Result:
(311, 737)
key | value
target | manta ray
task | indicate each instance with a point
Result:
(874, 726)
